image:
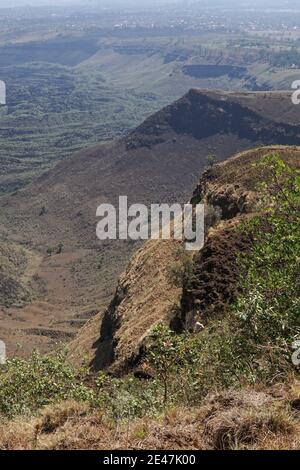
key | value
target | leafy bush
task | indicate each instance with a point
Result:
(128, 398)
(29, 384)
(269, 310)
(180, 272)
(211, 160)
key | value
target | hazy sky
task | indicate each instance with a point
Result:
(250, 3)
(12, 3)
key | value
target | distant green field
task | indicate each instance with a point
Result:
(54, 110)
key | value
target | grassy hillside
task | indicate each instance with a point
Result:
(231, 386)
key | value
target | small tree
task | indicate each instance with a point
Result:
(164, 355)
(50, 251)
(211, 160)
(60, 248)
(181, 272)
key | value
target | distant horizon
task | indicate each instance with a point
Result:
(140, 3)
(39, 3)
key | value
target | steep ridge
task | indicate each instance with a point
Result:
(159, 162)
(251, 116)
(146, 293)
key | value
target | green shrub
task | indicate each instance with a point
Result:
(29, 384)
(269, 309)
(128, 398)
(211, 160)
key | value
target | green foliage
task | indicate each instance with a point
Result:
(29, 384)
(211, 160)
(165, 355)
(124, 399)
(50, 250)
(60, 248)
(266, 317)
(180, 272)
(269, 310)
(175, 359)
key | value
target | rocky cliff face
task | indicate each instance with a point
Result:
(231, 189)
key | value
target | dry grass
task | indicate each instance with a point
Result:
(246, 419)
(236, 429)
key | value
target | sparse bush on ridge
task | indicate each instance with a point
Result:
(211, 160)
(181, 271)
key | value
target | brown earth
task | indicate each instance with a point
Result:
(214, 283)
(159, 162)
